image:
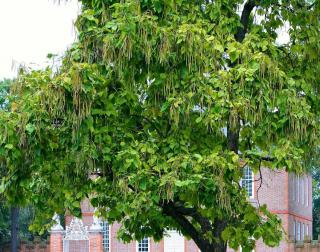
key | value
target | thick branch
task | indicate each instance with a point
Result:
(178, 211)
(308, 7)
(247, 9)
(204, 222)
(265, 158)
(233, 134)
(233, 127)
(169, 209)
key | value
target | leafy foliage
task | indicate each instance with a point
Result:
(4, 225)
(165, 102)
(316, 203)
(4, 88)
(27, 213)
(25, 219)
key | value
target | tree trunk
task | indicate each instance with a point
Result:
(215, 248)
(14, 229)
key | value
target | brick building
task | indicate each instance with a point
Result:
(287, 195)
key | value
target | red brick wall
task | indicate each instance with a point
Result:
(78, 246)
(273, 190)
(96, 244)
(277, 189)
(56, 243)
(33, 247)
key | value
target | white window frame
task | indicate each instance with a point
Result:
(302, 190)
(247, 180)
(298, 231)
(293, 187)
(298, 188)
(138, 242)
(103, 236)
(307, 188)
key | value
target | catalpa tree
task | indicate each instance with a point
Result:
(157, 108)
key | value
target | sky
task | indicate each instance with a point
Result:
(31, 29)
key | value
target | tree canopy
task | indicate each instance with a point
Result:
(157, 108)
(316, 203)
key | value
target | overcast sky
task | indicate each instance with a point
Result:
(30, 29)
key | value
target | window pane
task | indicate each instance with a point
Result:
(247, 181)
(143, 245)
(106, 236)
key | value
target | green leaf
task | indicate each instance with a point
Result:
(9, 146)
(30, 128)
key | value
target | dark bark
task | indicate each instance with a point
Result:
(247, 9)
(234, 129)
(179, 212)
(233, 135)
(14, 229)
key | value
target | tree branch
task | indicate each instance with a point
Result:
(233, 132)
(192, 212)
(260, 185)
(265, 158)
(177, 210)
(170, 209)
(247, 9)
(308, 7)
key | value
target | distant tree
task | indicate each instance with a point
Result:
(4, 225)
(14, 210)
(316, 203)
(4, 89)
(11, 227)
(156, 110)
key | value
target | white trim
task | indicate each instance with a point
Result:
(292, 187)
(298, 188)
(109, 227)
(302, 190)
(251, 182)
(298, 231)
(307, 188)
(76, 231)
(173, 241)
(137, 245)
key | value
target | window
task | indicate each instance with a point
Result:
(302, 231)
(302, 190)
(106, 236)
(298, 187)
(143, 245)
(247, 181)
(307, 229)
(307, 189)
(292, 186)
(294, 230)
(298, 231)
